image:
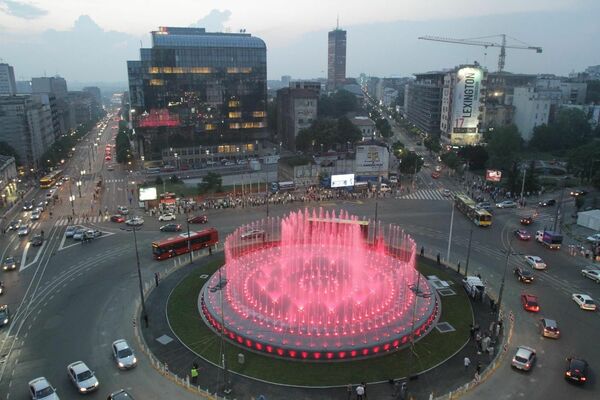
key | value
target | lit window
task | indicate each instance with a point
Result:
(235, 114)
(156, 82)
(233, 70)
(235, 125)
(167, 70)
(233, 103)
(154, 70)
(210, 127)
(259, 114)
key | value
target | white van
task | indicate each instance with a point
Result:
(384, 188)
(474, 286)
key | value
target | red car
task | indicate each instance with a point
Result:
(522, 234)
(108, 158)
(198, 219)
(117, 218)
(530, 303)
(435, 175)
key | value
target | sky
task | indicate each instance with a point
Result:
(90, 40)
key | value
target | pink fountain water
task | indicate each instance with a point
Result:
(320, 286)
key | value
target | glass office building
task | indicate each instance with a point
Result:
(199, 88)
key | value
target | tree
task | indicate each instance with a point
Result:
(347, 131)
(451, 159)
(384, 128)
(175, 179)
(7, 150)
(158, 181)
(410, 162)
(338, 104)
(212, 181)
(579, 202)
(476, 156)
(593, 92)
(570, 129)
(503, 146)
(432, 143)
(584, 161)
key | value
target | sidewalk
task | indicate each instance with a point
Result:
(440, 380)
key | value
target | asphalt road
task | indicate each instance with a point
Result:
(72, 300)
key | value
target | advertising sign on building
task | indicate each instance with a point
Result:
(493, 175)
(338, 181)
(372, 159)
(466, 100)
(148, 193)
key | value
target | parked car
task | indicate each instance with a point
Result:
(117, 218)
(595, 238)
(167, 217)
(92, 234)
(198, 219)
(82, 377)
(576, 370)
(535, 262)
(549, 328)
(135, 221)
(530, 303)
(584, 301)
(547, 203)
(170, 228)
(78, 234)
(506, 204)
(524, 358)
(9, 264)
(37, 240)
(123, 354)
(523, 275)
(41, 389)
(522, 234)
(593, 274)
(70, 231)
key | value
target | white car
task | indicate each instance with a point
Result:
(123, 354)
(593, 274)
(35, 215)
(524, 358)
(135, 221)
(23, 231)
(41, 389)
(122, 210)
(535, 262)
(584, 301)
(506, 204)
(595, 238)
(82, 377)
(167, 217)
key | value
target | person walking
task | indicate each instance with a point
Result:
(360, 392)
(194, 373)
(156, 278)
(422, 251)
(349, 391)
(438, 258)
(467, 362)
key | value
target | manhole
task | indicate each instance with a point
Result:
(444, 327)
(164, 340)
(446, 292)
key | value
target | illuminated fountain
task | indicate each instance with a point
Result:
(317, 286)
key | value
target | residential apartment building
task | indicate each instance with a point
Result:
(296, 110)
(199, 88)
(532, 108)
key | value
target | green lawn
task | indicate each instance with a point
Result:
(434, 348)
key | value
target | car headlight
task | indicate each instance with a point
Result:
(6, 320)
(121, 364)
(96, 384)
(134, 360)
(82, 389)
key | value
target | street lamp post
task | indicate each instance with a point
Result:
(189, 242)
(79, 187)
(500, 293)
(450, 234)
(139, 273)
(468, 252)
(72, 199)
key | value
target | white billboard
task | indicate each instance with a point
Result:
(372, 159)
(466, 100)
(148, 193)
(338, 181)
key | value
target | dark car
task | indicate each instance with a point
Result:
(527, 220)
(198, 219)
(4, 315)
(117, 218)
(523, 275)
(576, 370)
(120, 395)
(578, 192)
(170, 228)
(37, 240)
(14, 225)
(28, 206)
(547, 203)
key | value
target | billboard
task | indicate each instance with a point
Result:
(493, 175)
(466, 100)
(338, 181)
(148, 193)
(372, 159)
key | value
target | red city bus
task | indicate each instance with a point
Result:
(177, 245)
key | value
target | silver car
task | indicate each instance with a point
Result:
(524, 358)
(23, 231)
(123, 354)
(41, 389)
(82, 377)
(78, 234)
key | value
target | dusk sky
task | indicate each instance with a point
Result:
(90, 40)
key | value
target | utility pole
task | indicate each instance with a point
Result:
(468, 252)
(450, 235)
(558, 207)
(523, 186)
(189, 242)
(508, 254)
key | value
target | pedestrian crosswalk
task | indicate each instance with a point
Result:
(64, 221)
(427, 194)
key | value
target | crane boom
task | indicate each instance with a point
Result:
(471, 42)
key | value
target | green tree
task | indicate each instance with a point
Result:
(452, 160)
(432, 143)
(410, 162)
(7, 150)
(584, 161)
(212, 182)
(347, 131)
(503, 146)
(570, 129)
(579, 202)
(158, 181)
(384, 128)
(476, 156)
(338, 104)
(174, 179)
(593, 92)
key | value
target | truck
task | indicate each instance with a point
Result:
(550, 239)
(474, 287)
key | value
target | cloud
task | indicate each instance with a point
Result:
(21, 10)
(214, 21)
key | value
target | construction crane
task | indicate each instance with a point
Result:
(476, 42)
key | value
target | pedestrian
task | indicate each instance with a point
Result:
(458, 267)
(210, 250)
(438, 258)
(467, 362)
(360, 392)
(490, 351)
(146, 321)
(156, 278)
(472, 331)
(478, 342)
(194, 374)
(349, 390)
(422, 251)
(364, 385)
(478, 369)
